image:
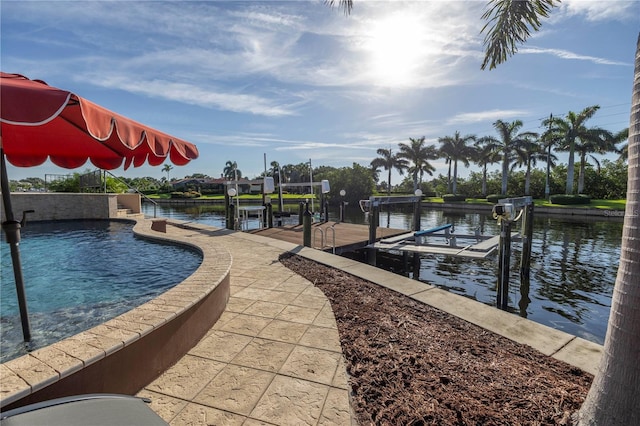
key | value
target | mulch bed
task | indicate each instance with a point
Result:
(412, 364)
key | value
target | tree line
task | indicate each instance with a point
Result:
(513, 149)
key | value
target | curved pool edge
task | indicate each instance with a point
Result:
(124, 354)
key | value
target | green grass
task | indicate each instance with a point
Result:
(595, 204)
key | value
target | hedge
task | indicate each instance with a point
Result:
(564, 199)
(190, 194)
(447, 198)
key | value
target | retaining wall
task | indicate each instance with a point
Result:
(68, 206)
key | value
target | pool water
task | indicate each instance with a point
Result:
(79, 274)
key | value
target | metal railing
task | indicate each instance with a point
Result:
(136, 190)
(323, 242)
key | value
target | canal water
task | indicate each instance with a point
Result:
(574, 262)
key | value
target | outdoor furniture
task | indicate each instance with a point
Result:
(82, 410)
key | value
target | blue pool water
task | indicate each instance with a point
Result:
(79, 274)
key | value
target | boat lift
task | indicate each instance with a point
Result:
(441, 240)
(437, 240)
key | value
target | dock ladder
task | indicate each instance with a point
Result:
(323, 241)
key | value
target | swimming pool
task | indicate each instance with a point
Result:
(78, 274)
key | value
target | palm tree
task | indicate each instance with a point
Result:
(456, 148)
(285, 172)
(528, 153)
(230, 171)
(599, 142)
(389, 161)
(487, 149)
(572, 129)
(509, 139)
(418, 154)
(274, 171)
(549, 140)
(167, 168)
(612, 399)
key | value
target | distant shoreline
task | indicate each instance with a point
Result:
(604, 214)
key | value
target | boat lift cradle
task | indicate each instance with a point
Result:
(478, 247)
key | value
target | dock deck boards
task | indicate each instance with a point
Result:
(348, 235)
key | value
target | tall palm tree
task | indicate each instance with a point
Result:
(285, 172)
(457, 148)
(418, 154)
(167, 168)
(231, 171)
(444, 153)
(612, 398)
(571, 130)
(389, 161)
(274, 171)
(549, 139)
(487, 149)
(528, 153)
(509, 139)
(599, 142)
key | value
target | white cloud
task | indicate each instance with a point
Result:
(565, 54)
(485, 116)
(195, 95)
(602, 10)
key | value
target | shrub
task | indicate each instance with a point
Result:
(448, 198)
(564, 199)
(190, 194)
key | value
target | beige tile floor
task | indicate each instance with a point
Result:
(273, 357)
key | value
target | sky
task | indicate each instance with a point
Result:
(300, 81)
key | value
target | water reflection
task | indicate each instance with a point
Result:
(574, 263)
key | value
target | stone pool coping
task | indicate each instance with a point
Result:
(125, 353)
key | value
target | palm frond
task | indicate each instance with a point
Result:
(346, 5)
(509, 23)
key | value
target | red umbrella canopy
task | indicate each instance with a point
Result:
(39, 122)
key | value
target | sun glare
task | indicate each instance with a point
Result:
(395, 44)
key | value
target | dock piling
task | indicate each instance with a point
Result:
(504, 259)
(306, 226)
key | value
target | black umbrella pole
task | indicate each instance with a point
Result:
(22, 298)
(11, 228)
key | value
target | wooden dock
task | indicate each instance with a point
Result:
(348, 236)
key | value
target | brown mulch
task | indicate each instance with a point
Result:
(412, 364)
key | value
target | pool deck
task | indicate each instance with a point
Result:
(274, 356)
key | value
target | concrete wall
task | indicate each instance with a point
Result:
(131, 202)
(65, 206)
